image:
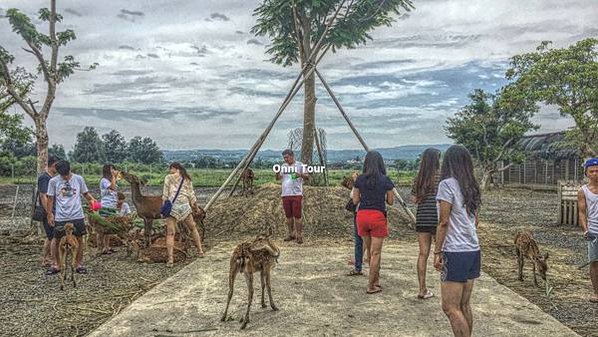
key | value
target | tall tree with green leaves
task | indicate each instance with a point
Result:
(53, 70)
(115, 146)
(567, 78)
(89, 148)
(144, 151)
(14, 137)
(490, 127)
(296, 26)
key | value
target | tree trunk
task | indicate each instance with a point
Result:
(309, 105)
(486, 179)
(41, 135)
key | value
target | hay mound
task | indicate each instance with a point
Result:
(323, 212)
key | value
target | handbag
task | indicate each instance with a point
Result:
(167, 206)
(39, 213)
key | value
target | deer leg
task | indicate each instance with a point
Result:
(249, 281)
(234, 269)
(269, 286)
(73, 267)
(535, 278)
(263, 283)
(147, 228)
(520, 262)
(62, 265)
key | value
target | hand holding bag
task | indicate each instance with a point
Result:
(167, 206)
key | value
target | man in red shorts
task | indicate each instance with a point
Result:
(292, 174)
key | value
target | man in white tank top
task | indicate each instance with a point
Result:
(587, 199)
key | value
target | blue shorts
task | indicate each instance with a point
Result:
(460, 266)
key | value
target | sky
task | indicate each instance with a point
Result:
(190, 75)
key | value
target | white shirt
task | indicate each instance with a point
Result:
(290, 186)
(592, 209)
(462, 234)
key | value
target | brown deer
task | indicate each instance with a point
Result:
(122, 229)
(260, 254)
(147, 206)
(247, 176)
(348, 181)
(67, 249)
(527, 248)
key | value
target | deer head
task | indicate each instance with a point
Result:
(541, 264)
(263, 242)
(69, 228)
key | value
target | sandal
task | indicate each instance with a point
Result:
(354, 272)
(52, 271)
(201, 255)
(81, 270)
(289, 238)
(374, 291)
(299, 241)
(427, 295)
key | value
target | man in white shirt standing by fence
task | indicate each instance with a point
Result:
(292, 174)
(587, 198)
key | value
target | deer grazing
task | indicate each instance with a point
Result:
(67, 249)
(247, 176)
(527, 248)
(248, 258)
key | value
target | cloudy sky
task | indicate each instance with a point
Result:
(190, 75)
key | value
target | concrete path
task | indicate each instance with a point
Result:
(315, 298)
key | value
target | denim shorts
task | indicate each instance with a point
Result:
(593, 250)
(460, 266)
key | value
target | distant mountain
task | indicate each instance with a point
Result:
(408, 152)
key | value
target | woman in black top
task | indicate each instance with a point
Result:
(424, 195)
(372, 190)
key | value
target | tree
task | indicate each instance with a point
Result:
(14, 138)
(89, 147)
(57, 151)
(145, 151)
(490, 127)
(296, 26)
(115, 146)
(53, 71)
(567, 78)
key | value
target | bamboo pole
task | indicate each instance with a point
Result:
(342, 111)
(320, 154)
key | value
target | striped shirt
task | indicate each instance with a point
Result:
(427, 211)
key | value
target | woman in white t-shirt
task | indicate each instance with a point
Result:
(109, 198)
(457, 255)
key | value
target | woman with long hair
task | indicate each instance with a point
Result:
(423, 194)
(372, 191)
(178, 188)
(108, 200)
(457, 254)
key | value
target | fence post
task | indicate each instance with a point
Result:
(12, 169)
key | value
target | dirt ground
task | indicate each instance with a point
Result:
(37, 308)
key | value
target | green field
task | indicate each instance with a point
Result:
(215, 177)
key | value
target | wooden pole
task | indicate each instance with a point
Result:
(320, 154)
(342, 111)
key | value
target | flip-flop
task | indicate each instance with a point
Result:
(427, 295)
(354, 272)
(201, 255)
(81, 270)
(375, 291)
(289, 238)
(52, 271)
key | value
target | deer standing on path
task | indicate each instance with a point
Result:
(248, 258)
(527, 248)
(67, 249)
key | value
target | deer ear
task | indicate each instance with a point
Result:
(269, 232)
(546, 256)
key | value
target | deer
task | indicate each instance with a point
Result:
(527, 248)
(247, 176)
(122, 228)
(67, 249)
(248, 258)
(148, 207)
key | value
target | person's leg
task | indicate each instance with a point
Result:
(54, 249)
(47, 252)
(194, 233)
(299, 229)
(291, 230)
(358, 247)
(297, 207)
(425, 240)
(170, 231)
(376, 251)
(594, 278)
(288, 213)
(80, 250)
(452, 294)
(465, 304)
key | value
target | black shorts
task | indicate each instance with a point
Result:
(79, 224)
(426, 229)
(460, 266)
(47, 228)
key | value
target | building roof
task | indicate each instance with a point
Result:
(548, 146)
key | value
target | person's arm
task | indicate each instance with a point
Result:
(113, 182)
(43, 197)
(49, 205)
(390, 197)
(356, 195)
(192, 196)
(443, 223)
(85, 192)
(582, 211)
(278, 176)
(166, 189)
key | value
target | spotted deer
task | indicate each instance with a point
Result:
(527, 248)
(248, 258)
(247, 176)
(67, 249)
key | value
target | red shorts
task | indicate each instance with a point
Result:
(292, 206)
(372, 223)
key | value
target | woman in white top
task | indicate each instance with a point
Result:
(457, 255)
(109, 197)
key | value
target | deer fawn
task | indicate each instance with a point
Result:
(247, 177)
(67, 249)
(260, 254)
(526, 247)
